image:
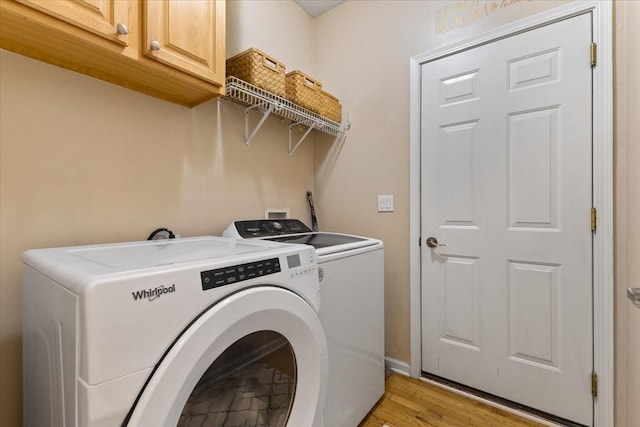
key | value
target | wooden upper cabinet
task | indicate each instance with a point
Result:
(187, 35)
(111, 40)
(105, 18)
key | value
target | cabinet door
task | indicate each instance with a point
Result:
(100, 17)
(187, 35)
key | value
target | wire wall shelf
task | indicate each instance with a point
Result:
(255, 98)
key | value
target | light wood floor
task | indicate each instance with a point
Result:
(412, 403)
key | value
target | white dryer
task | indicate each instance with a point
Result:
(352, 314)
(193, 331)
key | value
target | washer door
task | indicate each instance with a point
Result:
(257, 339)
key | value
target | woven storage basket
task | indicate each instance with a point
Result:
(330, 107)
(304, 91)
(259, 69)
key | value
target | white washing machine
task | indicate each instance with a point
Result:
(187, 332)
(352, 314)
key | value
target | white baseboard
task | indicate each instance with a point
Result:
(397, 367)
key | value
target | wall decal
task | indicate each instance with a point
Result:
(461, 13)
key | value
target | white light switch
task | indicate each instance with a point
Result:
(385, 203)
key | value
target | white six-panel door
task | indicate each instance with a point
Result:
(506, 185)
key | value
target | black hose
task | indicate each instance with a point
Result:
(154, 235)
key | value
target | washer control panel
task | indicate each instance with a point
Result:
(302, 264)
(269, 227)
(238, 273)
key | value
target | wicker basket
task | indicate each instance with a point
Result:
(259, 69)
(330, 107)
(304, 91)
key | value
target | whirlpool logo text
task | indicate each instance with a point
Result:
(153, 293)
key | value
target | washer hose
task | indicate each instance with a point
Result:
(157, 236)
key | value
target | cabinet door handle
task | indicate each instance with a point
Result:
(155, 45)
(122, 29)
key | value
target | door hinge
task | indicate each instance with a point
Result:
(594, 219)
(594, 51)
(594, 384)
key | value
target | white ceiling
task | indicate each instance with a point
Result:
(318, 7)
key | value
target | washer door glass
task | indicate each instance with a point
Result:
(252, 383)
(263, 330)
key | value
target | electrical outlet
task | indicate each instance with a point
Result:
(385, 203)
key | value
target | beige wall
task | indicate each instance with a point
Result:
(290, 43)
(362, 54)
(627, 196)
(84, 161)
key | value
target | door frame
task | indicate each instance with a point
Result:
(603, 284)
